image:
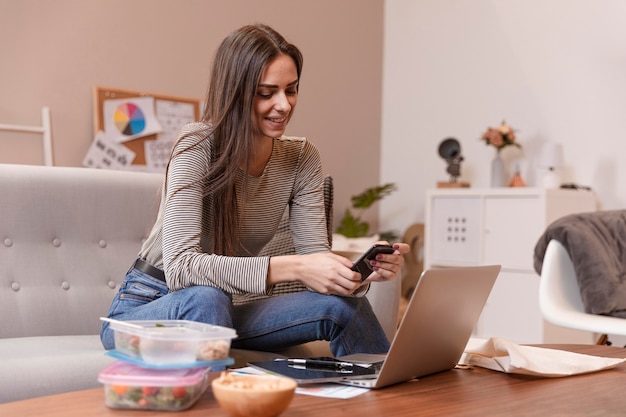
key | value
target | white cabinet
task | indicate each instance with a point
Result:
(502, 226)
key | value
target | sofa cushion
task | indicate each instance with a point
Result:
(50, 365)
(67, 237)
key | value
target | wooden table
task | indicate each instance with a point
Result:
(459, 392)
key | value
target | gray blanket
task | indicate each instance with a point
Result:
(596, 242)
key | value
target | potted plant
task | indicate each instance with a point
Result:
(352, 226)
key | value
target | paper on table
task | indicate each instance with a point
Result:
(505, 356)
(327, 390)
(331, 390)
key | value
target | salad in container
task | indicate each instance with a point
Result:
(171, 342)
(130, 386)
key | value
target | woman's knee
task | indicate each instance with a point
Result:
(341, 309)
(205, 304)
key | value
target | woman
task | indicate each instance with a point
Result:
(228, 183)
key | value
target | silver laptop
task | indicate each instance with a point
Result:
(432, 335)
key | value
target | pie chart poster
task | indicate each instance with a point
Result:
(130, 118)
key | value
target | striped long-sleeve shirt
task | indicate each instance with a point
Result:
(180, 243)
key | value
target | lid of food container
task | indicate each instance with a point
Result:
(174, 329)
(120, 372)
(213, 364)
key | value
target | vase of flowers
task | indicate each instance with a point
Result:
(497, 171)
(499, 137)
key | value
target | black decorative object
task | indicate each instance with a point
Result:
(450, 150)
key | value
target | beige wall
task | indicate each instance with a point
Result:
(53, 52)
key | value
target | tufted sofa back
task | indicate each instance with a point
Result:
(67, 237)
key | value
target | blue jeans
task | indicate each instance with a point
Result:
(270, 324)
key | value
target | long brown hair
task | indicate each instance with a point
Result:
(237, 67)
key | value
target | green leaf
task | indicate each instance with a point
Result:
(371, 195)
(390, 236)
(352, 226)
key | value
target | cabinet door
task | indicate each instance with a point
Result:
(512, 227)
(455, 230)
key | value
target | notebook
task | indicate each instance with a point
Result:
(432, 335)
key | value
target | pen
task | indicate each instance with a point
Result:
(321, 364)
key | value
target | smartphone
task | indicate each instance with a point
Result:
(362, 265)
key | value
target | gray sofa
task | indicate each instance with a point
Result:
(67, 238)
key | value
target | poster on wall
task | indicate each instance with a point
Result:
(128, 119)
(172, 116)
(106, 153)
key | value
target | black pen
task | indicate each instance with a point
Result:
(321, 364)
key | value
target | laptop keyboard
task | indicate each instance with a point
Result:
(373, 365)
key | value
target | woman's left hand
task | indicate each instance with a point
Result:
(386, 267)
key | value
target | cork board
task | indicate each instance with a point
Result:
(100, 94)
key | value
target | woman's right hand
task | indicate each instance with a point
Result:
(326, 273)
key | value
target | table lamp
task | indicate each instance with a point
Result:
(551, 159)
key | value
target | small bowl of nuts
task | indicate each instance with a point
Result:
(171, 342)
(253, 395)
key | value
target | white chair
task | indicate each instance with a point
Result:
(560, 300)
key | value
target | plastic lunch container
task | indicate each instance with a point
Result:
(130, 386)
(171, 342)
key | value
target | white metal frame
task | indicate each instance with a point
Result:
(44, 129)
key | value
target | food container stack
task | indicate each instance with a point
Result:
(163, 365)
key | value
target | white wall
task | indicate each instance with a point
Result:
(554, 69)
